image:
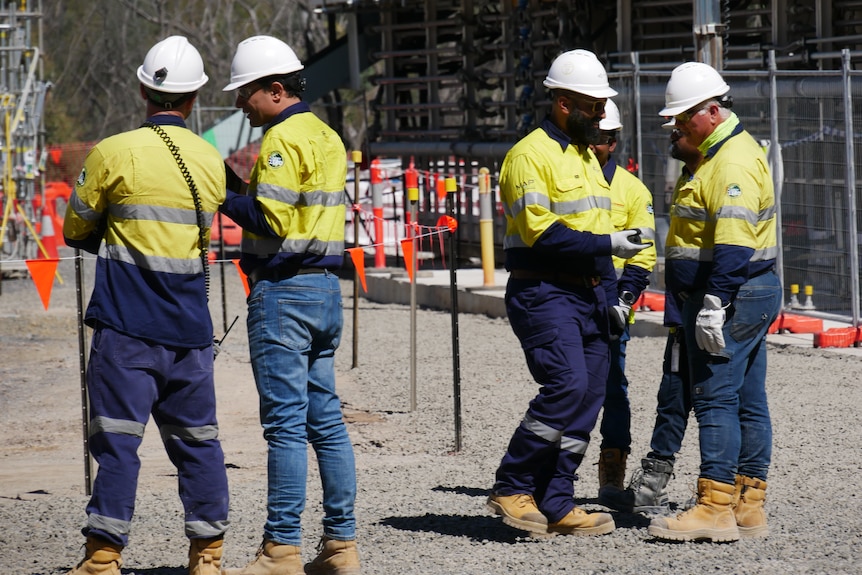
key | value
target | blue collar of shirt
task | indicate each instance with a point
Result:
(297, 108)
(555, 133)
(167, 120)
(713, 150)
(609, 169)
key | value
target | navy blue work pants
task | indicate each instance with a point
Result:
(563, 333)
(127, 380)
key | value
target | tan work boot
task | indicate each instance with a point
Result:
(334, 558)
(612, 468)
(711, 519)
(272, 559)
(579, 522)
(748, 499)
(519, 511)
(100, 558)
(205, 556)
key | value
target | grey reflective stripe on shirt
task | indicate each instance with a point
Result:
(153, 263)
(102, 424)
(158, 214)
(270, 246)
(580, 206)
(528, 199)
(689, 213)
(294, 198)
(83, 210)
(202, 433)
(693, 254)
(737, 213)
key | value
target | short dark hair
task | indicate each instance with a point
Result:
(293, 83)
(167, 100)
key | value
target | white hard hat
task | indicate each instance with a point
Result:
(690, 84)
(258, 57)
(579, 71)
(173, 66)
(611, 121)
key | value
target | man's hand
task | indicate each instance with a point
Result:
(708, 325)
(627, 243)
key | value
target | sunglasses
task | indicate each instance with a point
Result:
(594, 107)
(248, 90)
(685, 117)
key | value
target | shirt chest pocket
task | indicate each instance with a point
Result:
(568, 189)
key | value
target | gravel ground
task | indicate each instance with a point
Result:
(421, 501)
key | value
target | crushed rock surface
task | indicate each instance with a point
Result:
(421, 501)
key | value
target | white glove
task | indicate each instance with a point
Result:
(622, 245)
(708, 325)
(619, 319)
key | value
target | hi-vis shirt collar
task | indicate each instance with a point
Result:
(609, 169)
(555, 133)
(297, 108)
(713, 149)
(167, 120)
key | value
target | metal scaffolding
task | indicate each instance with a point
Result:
(22, 152)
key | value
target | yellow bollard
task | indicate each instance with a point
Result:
(794, 297)
(809, 302)
(486, 226)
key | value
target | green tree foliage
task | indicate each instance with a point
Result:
(92, 49)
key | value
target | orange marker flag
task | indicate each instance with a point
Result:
(42, 272)
(358, 257)
(242, 276)
(407, 250)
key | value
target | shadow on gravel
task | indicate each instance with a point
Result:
(476, 528)
(462, 490)
(157, 571)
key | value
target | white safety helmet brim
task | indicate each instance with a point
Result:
(258, 57)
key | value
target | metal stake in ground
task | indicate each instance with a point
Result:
(356, 156)
(82, 357)
(451, 189)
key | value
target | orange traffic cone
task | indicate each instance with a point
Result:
(49, 242)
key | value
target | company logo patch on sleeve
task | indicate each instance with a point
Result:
(275, 160)
(734, 191)
(82, 177)
(650, 209)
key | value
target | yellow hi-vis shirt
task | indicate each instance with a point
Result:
(632, 208)
(149, 273)
(723, 222)
(298, 182)
(541, 183)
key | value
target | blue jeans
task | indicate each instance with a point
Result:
(673, 402)
(294, 328)
(617, 416)
(729, 389)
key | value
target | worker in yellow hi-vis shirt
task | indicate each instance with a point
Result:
(631, 208)
(720, 257)
(559, 241)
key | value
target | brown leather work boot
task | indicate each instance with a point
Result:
(205, 556)
(612, 468)
(334, 558)
(101, 557)
(272, 559)
(579, 522)
(748, 499)
(519, 511)
(711, 519)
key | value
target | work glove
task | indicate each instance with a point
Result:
(619, 318)
(707, 326)
(626, 243)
